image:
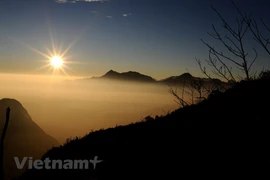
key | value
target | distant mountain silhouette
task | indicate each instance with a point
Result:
(188, 78)
(126, 76)
(24, 137)
(224, 136)
(132, 76)
(185, 77)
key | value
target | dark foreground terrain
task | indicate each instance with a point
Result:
(226, 136)
(24, 138)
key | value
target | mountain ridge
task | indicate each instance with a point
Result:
(139, 77)
(126, 76)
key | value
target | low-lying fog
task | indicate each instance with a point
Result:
(66, 109)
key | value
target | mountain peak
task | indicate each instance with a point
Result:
(24, 137)
(186, 75)
(111, 74)
(132, 72)
(128, 76)
(111, 71)
(10, 103)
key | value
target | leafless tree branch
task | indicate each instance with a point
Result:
(255, 30)
(233, 41)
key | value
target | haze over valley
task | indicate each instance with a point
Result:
(68, 108)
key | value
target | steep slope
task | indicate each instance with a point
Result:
(224, 136)
(24, 137)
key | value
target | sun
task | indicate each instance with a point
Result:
(56, 61)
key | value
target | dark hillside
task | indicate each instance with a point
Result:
(224, 136)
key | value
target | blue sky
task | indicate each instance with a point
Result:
(155, 37)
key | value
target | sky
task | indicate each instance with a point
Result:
(159, 38)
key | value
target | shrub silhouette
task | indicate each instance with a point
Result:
(265, 74)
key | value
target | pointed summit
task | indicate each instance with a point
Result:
(111, 74)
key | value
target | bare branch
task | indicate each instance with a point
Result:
(255, 58)
(233, 41)
(265, 25)
(255, 30)
(179, 100)
(203, 69)
(221, 54)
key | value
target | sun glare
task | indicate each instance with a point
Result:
(56, 61)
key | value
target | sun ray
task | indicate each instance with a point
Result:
(56, 59)
(55, 51)
(66, 67)
(63, 70)
(39, 52)
(52, 41)
(68, 48)
(43, 67)
(75, 41)
(49, 51)
(35, 50)
(60, 48)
